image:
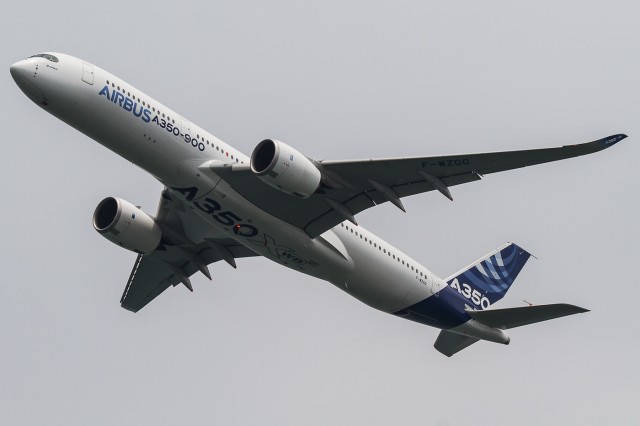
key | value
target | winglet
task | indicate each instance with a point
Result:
(603, 143)
(612, 140)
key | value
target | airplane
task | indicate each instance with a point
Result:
(220, 205)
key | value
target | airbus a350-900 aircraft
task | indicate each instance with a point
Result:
(219, 204)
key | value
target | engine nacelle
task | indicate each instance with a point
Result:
(284, 168)
(126, 225)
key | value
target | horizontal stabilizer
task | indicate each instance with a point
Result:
(449, 343)
(517, 317)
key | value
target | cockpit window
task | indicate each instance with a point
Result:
(45, 56)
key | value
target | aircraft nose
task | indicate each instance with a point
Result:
(19, 69)
(24, 74)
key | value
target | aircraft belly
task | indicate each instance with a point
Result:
(378, 280)
(221, 206)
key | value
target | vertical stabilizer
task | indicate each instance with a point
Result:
(488, 279)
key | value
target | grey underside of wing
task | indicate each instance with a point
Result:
(152, 273)
(315, 216)
(151, 276)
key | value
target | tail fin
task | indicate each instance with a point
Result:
(488, 279)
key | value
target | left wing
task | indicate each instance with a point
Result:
(190, 245)
(349, 187)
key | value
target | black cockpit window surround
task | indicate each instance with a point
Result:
(45, 56)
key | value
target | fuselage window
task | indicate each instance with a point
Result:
(107, 82)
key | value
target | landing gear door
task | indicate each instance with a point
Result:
(87, 73)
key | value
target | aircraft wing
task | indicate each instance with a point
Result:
(350, 187)
(191, 245)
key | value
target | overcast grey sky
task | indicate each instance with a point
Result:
(337, 80)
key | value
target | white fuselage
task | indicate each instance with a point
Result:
(171, 148)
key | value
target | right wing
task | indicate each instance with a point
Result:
(193, 244)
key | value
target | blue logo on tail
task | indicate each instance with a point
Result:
(488, 280)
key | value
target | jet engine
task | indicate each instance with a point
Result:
(282, 167)
(126, 225)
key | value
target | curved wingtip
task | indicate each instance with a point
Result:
(611, 140)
